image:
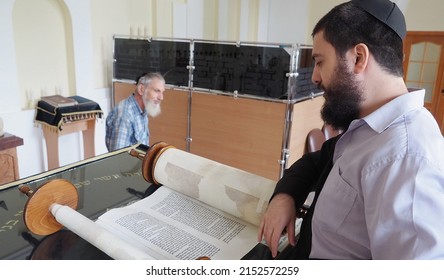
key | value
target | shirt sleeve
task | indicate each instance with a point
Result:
(299, 180)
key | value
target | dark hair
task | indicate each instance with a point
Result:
(347, 25)
(140, 76)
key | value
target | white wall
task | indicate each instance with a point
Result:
(18, 119)
(287, 21)
(424, 15)
(9, 89)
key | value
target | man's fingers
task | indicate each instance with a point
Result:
(274, 242)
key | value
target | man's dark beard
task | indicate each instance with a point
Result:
(342, 99)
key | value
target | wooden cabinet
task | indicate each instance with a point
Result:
(9, 170)
(258, 136)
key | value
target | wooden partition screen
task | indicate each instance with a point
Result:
(246, 105)
(244, 133)
(240, 132)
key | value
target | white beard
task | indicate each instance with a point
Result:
(152, 109)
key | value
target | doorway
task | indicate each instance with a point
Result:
(424, 68)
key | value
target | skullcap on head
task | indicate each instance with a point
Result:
(386, 12)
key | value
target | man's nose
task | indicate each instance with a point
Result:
(315, 77)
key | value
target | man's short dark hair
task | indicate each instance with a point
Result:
(347, 25)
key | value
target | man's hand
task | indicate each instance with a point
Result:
(280, 216)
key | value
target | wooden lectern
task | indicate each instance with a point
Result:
(87, 126)
(56, 121)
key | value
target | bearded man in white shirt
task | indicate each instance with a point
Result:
(383, 195)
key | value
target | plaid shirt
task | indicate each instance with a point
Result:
(126, 125)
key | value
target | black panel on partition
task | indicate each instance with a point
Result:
(255, 70)
(136, 56)
(304, 85)
(248, 69)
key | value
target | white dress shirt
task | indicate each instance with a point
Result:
(384, 198)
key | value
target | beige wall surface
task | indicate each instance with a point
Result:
(43, 49)
(316, 10)
(425, 15)
(116, 17)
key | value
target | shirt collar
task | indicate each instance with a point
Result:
(383, 117)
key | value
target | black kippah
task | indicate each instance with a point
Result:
(386, 12)
(138, 78)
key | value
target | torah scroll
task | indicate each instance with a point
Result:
(234, 191)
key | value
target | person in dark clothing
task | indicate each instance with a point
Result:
(306, 175)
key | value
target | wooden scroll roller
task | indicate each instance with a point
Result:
(52, 206)
(150, 158)
(37, 213)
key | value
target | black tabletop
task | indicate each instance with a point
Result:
(104, 182)
(107, 182)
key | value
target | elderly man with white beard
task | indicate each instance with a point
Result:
(127, 123)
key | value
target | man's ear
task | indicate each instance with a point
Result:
(361, 56)
(140, 88)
